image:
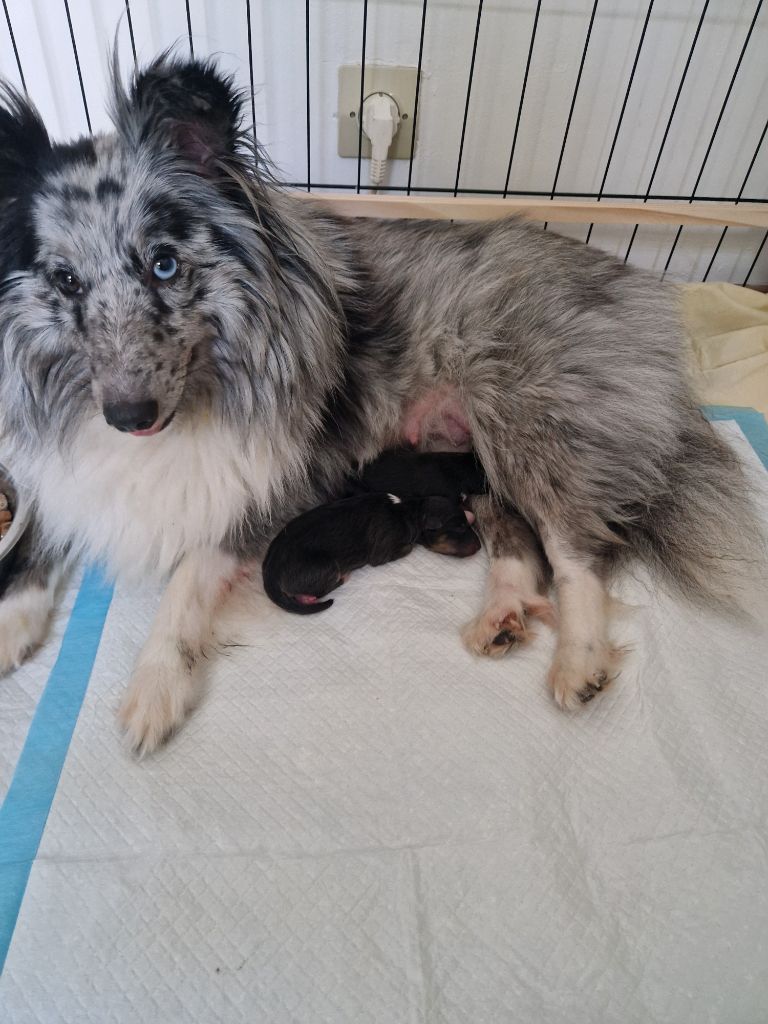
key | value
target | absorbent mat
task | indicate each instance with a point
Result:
(362, 823)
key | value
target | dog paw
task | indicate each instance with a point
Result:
(499, 629)
(580, 672)
(24, 619)
(155, 705)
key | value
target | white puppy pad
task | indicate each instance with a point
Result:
(363, 823)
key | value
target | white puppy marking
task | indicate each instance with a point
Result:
(511, 597)
(163, 687)
(584, 660)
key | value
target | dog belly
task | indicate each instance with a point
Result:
(437, 421)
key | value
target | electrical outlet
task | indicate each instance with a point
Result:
(400, 83)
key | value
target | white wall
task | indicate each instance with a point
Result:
(220, 26)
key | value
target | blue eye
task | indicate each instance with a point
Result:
(165, 268)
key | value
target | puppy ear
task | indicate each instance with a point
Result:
(186, 105)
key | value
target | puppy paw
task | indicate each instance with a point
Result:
(581, 671)
(24, 619)
(500, 628)
(157, 701)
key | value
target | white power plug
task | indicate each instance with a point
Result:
(381, 119)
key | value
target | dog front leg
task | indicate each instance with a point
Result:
(29, 578)
(163, 687)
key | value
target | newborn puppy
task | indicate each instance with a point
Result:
(411, 474)
(446, 528)
(315, 552)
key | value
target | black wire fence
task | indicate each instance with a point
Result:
(647, 8)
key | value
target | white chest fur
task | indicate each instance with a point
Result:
(139, 503)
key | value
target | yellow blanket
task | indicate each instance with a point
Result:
(728, 332)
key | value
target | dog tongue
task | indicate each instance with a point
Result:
(306, 598)
(149, 432)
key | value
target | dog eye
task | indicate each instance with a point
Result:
(165, 268)
(67, 283)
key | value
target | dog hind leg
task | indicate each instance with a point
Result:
(518, 574)
(584, 662)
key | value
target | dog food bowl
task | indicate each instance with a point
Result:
(20, 510)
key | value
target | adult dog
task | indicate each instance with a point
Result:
(190, 356)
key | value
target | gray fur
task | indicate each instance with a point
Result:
(506, 534)
(317, 333)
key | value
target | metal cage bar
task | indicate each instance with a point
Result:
(738, 199)
(250, 69)
(13, 44)
(555, 192)
(533, 193)
(130, 32)
(671, 117)
(77, 65)
(362, 98)
(715, 130)
(754, 261)
(574, 98)
(416, 97)
(622, 112)
(573, 104)
(522, 96)
(309, 93)
(189, 30)
(469, 94)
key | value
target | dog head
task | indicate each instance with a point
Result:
(129, 262)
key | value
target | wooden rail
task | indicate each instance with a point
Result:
(746, 215)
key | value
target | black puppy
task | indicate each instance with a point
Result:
(315, 552)
(411, 474)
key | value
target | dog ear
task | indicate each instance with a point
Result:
(186, 105)
(24, 144)
(25, 152)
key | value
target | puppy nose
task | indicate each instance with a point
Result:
(129, 416)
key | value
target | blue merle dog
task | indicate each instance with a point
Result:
(190, 356)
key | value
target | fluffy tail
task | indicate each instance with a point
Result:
(704, 535)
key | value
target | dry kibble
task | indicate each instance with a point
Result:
(6, 516)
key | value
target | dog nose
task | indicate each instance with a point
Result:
(130, 416)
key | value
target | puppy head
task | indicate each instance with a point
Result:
(446, 529)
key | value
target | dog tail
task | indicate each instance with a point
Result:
(704, 536)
